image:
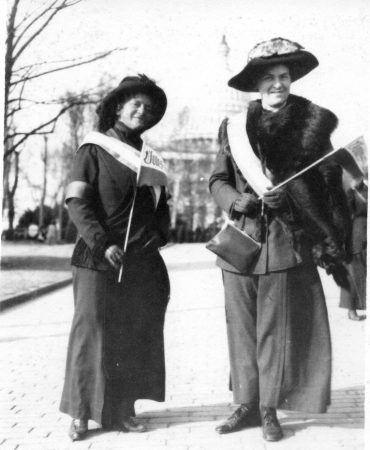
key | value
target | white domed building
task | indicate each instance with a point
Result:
(191, 152)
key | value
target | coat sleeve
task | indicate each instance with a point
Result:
(222, 180)
(83, 200)
(337, 200)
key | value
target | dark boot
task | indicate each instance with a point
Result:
(125, 411)
(245, 416)
(131, 425)
(270, 424)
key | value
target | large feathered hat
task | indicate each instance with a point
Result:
(271, 52)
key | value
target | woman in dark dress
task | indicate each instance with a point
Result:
(116, 349)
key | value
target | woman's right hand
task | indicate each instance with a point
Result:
(246, 203)
(114, 255)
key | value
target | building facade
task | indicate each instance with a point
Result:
(191, 151)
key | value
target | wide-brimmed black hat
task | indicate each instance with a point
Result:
(132, 85)
(267, 53)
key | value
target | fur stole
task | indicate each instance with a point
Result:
(291, 138)
(286, 142)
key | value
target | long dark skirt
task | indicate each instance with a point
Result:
(279, 339)
(355, 296)
(116, 348)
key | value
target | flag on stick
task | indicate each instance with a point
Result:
(341, 156)
(151, 172)
(148, 164)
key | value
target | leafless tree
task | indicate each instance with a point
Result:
(76, 119)
(45, 157)
(24, 28)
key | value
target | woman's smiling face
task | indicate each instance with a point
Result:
(274, 86)
(137, 112)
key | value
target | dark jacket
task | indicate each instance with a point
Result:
(285, 142)
(101, 207)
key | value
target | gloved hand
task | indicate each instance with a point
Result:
(275, 199)
(334, 248)
(246, 203)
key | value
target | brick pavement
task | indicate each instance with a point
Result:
(33, 341)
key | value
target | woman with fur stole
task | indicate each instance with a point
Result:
(277, 323)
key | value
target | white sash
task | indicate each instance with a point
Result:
(147, 164)
(244, 156)
(250, 165)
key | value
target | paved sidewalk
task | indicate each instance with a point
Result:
(33, 342)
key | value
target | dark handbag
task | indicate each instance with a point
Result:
(235, 247)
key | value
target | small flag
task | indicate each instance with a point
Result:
(152, 171)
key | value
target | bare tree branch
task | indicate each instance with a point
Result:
(12, 112)
(95, 58)
(37, 129)
(20, 94)
(57, 101)
(25, 18)
(16, 175)
(41, 28)
(9, 56)
(32, 22)
(60, 61)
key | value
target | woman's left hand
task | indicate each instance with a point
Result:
(114, 256)
(275, 199)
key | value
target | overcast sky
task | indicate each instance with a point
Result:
(175, 42)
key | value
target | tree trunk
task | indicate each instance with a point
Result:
(44, 183)
(10, 193)
(11, 213)
(60, 215)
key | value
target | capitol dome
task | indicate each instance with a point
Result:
(191, 151)
(201, 120)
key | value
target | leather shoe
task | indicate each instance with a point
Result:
(352, 315)
(244, 416)
(129, 425)
(270, 424)
(78, 429)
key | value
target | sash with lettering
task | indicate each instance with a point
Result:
(148, 164)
